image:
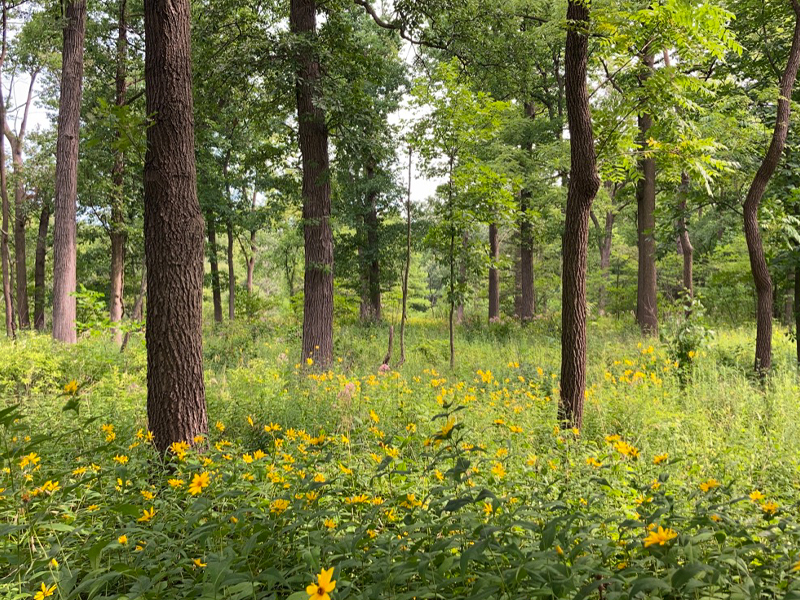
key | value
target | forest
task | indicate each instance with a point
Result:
(400, 299)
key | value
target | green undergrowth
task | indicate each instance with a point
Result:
(413, 483)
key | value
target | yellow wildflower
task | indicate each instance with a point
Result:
(324, 585)
(659, 537)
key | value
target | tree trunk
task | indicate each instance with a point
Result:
(527, 299)
(69, 120)
(216, 291)
(494, 273)
(755, 248)
(582, 188)
(371, 300)
(138, 307)
(404, 315)
(797, 308)
(251, 260)
(39, 268)
(313, 135)
(6, 259)
(173, 228)
(231, 275)
(452, 298)
(646, 292)
(605, 261)
(4, 254)
(687, 250)
(118, 233)
(462, 277)
(788, 303)
(16, 140)
(251, 263)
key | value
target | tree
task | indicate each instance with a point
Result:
(313, 135)
(755, 247)
(582, 188)
(452, 138)
(69, 118)
(173, 224)
(118, 232)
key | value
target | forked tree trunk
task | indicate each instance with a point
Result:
(494, 273)
(755, 247)
(313, 134)
(118, 233)
(583, 186)
(646, 294)
(687, 250)
(231, 275)
(16, 141)
(216, 292)
(173, 232)
(39, 268)
(69, 120)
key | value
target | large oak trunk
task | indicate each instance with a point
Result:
(39, 268)
(313, 134)
(583, 186)
(755, 248)
(494, 273)
(118, 233)
(173, 228)
(646, 299)
(69, 120)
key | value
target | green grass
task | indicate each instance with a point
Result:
(418, 483)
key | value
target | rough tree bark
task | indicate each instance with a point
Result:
(69, 119)
(494, 273)
(646, 292)
(313, 135)
(216, 292)
(39, 268)
(755, 248)
(583, 186)
(173, 228)
(117, 232)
